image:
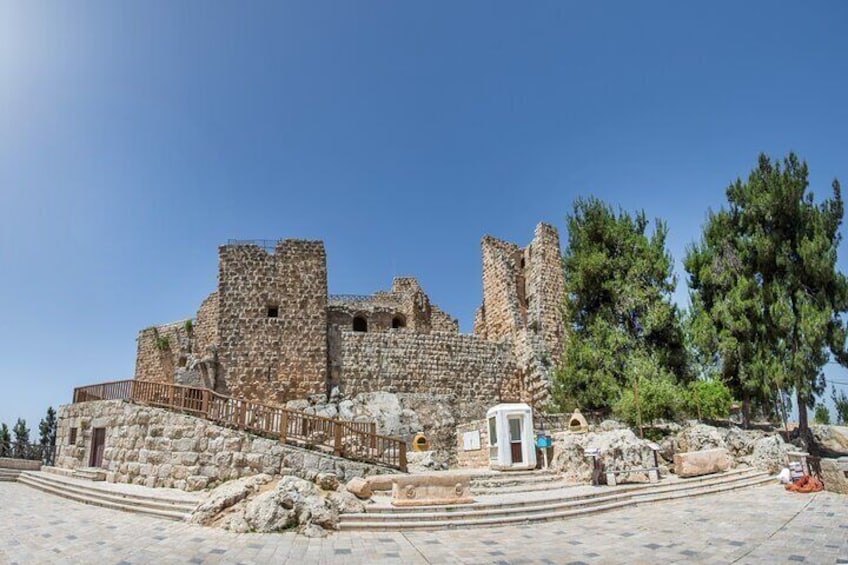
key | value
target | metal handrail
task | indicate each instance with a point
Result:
(29, 451)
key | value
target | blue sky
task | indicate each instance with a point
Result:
(136, 138)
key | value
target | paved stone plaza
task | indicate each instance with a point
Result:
(757, 525)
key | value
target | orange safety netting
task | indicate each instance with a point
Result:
(805, 484)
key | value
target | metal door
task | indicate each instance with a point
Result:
(98, 442)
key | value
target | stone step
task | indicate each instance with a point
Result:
(94, 475)
(519, 487)
(148, 505)
(541, 512)
(9, 475)
(558, 495)
(540, 506)
(138, 493)
(508, 480)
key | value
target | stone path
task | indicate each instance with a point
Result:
(757, 525)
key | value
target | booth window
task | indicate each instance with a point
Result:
(493, 438)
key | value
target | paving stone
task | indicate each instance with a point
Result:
(759, 525)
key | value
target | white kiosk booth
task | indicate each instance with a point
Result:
(511, 443)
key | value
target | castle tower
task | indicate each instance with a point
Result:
(272, 320)
(523, 290)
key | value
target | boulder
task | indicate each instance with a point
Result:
(359, 487)
(835, 475)
(705, 462)
(293, 502)
(610, 425)
(327, 481)
(346, 502)
(769, 454)
(833, 440)
(267, 513)
(226, 496)
(699, 438)
(620, 450)
(424, 461)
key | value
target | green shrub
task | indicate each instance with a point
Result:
(708, 399)
(821, 415)
(659, 398)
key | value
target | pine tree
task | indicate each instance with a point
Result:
(765, 289)
(21, 433)
(47, 428)
(5, 439)
(622, 323)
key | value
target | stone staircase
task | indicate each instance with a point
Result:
(161, 503)
(515, 481)
(9, 475)
(535, 506)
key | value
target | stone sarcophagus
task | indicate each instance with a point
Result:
(696, 463)
(428, 490)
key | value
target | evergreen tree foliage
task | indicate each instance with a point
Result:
(766, 295)
(821, 415)
(47, 428)
(622, 324)
(5, 438)
(840, 403)
(21, 433)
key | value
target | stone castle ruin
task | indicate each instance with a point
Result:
(270, 332)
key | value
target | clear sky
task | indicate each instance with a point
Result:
(137, 137)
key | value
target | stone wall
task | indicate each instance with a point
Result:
(273, 320)
(158, 448)
(160, 350)
(473, 459)
(206, 325)
(466, 367)
(19, 464)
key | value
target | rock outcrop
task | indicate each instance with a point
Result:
(256, 504)
(831, 440)
(227, 495)
(620, 450)
(768, 454)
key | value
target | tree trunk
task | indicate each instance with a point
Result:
(746, 411)
(800, 398)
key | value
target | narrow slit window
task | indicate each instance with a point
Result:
(273, 311)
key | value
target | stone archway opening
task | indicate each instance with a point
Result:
(360, 324)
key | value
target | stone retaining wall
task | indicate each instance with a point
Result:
(476, 458)
(158, 448)
(19, 464)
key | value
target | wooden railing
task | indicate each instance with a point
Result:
(344, 438)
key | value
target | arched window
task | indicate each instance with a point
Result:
(398, 322)
(360, 324)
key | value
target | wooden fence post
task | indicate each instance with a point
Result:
(402, 462)
(284, 425)
(373, 435)
(337, 432)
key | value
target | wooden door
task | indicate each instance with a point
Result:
(98, 442)
(515, 425)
